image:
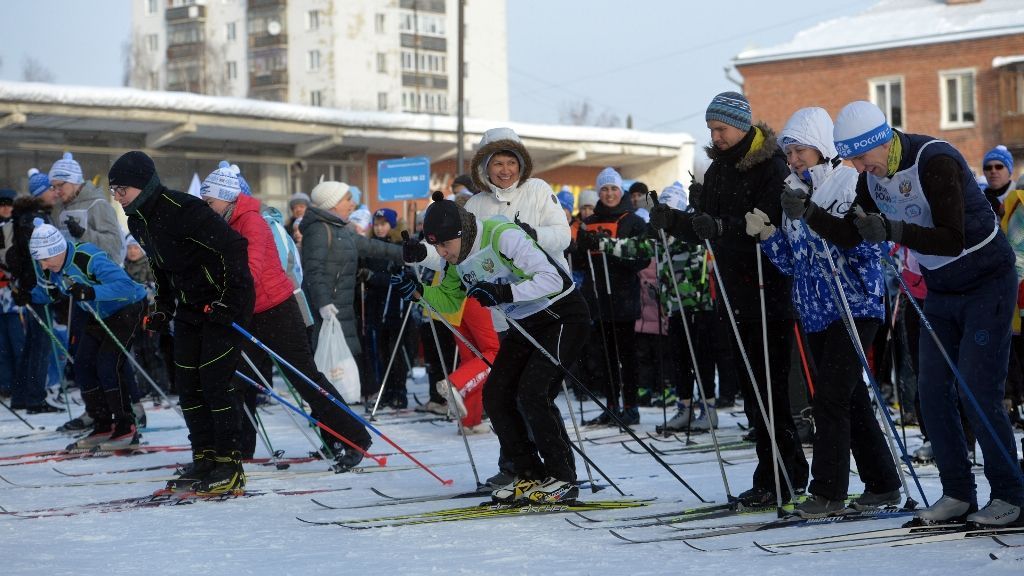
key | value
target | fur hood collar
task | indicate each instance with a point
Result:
(478, 167)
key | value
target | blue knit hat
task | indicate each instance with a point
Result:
(1000, 154)
(732, 108)
(37, 182)
(388, 214)
(7, 195)
(609, 177)
(859, 127)
(67, 170)
(242, 184)
(222, 184)
(566, 199)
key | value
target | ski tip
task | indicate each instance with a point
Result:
(767, 549)
(694, 546)
(621, 537)
(993, 556)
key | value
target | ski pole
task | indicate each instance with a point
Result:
(387, 373)
(621, 389)
(257, 425)
(336, 402)
(381, 460)
(750, 371)
(54, 342)
(130, 357)
(604, 336)
(962, 384)
(768, 371)
(600, 404)
(447, 378)
(320, 448)
(16, 415)
(693, 357)
(851, 328)
(588, 462)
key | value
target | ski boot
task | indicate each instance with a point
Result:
(226, 477)
(123, 437)
(553, 491)
(946, 510)
(346, 457)
(100, 433)
(515, 490)
(678, 423)
(76, 424)
(203, 462)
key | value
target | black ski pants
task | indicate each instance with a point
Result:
(843, 416)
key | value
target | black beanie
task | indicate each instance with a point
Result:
(464, 180)
(134, 169)
(638, 187)
(442, 221)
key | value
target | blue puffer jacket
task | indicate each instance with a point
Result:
(86, 264)
(832, 187)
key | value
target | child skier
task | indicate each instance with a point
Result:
(499, 265)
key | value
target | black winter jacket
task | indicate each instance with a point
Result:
(748, 175)
(19, 260)
(623, 275)
(196, 257)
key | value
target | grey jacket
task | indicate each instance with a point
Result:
(330, 259)
(94, 212)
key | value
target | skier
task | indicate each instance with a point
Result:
(101, 287)
(495, 262)
(204, 285)
(617, 306)
(747, 170)
(277, 320)
(918, 191)
(842, 408)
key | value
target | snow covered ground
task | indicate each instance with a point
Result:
(261, 535)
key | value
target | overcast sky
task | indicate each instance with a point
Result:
(660, 61)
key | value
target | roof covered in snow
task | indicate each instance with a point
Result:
(895, 24)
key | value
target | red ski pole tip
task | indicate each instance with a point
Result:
(447, 482)
(381, 460)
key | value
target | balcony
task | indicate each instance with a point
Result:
(268, 41)
(275, 78)
(425, 81)
(184, 51)
(425, 42)
(194, 12)
(436, 6)
(282, 4)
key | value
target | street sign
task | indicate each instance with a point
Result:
(403, 179)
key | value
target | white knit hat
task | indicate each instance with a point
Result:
(588, 197)
(46, 241)
(222, 184)
(67, 170)
(326, 195)
(860, 126)
(674, 196)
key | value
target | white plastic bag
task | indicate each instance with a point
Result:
(335, 361)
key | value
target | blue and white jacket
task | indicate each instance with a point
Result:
(798, 252)
(85, 263)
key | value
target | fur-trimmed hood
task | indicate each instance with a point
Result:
(497, 140)
(761, 148)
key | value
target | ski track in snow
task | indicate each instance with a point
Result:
(260, 535)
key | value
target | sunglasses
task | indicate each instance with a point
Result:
(990, 167)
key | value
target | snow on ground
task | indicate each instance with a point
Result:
(261, 535)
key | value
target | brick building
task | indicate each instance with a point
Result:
(953, 69)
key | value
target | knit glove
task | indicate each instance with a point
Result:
(758, 224)
(875, 228)
(706, 227)
(796, 203)
(406, 285)
(82, 292)
(489, 294)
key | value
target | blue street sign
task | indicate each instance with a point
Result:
(403, 179)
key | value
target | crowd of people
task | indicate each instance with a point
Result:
(792, 271)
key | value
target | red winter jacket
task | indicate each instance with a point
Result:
(271, 284)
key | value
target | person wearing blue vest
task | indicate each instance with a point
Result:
(495, 262)
(918, 191)
(100, 288)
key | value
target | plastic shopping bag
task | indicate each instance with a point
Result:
(334, 359)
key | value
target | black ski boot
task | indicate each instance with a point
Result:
(191, 473)
(226, 477)
(346, 457)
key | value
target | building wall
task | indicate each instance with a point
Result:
(486, 54)
(777, 89)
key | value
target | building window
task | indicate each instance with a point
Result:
(154, 80)
(382, 62)
(957, 92)
(232, 32)
(382, 101)
(151, 7)
(313, 61)
(313, 20)
(152, 42)
(378, 24)
(316, 98)
(232, 70)
(887, 94)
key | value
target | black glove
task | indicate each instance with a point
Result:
(157, 322)
(706, 227)
(412, 250)
(587, 240)
(796, 203)
(220, 313)
(55, 294)
(875, 228)
(74, 228)
(406, 285)
(526, 227)
(696, 193)
(662, 217)
(489, 294)
(363, 275)
(81, 292)
(21, 297)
